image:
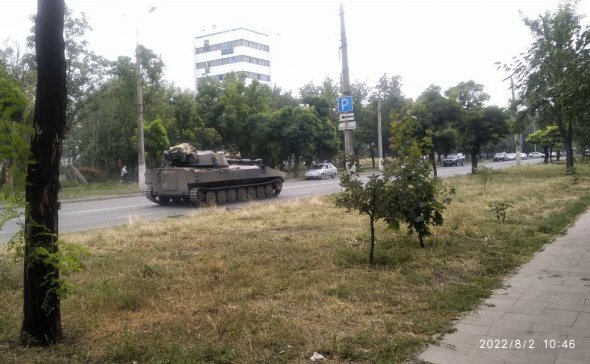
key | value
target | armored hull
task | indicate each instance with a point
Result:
(208, 178)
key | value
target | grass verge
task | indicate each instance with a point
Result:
(274, 283)
(77, 191)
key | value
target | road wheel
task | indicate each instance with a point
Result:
(252, 193)
(232, 195)
(222, 196)
(268, 190)
(164, 201)
(260, 192)
(211, 198)
(334, 176)
(278, 187)
(322, 176)
(242, 194)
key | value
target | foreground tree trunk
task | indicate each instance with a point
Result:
(474, 163)
(41, 308)
(432, 158)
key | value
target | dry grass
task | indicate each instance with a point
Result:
(274, 283)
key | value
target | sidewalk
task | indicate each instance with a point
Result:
(541, 316)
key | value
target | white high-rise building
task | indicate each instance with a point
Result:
(238, 50)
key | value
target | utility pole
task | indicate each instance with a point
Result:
(140, 145)
(346, 90)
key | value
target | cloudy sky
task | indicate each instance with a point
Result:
(440, 42)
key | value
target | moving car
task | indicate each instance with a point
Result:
(321, 170)
(536, 155)
(502, 156)
(454, 160)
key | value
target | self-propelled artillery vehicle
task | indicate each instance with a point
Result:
(209, 178)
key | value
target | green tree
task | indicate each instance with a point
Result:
(553, 76)
(548, 138)
(393, 106)
(367, 198)
(405, 193)
(416, 197)
(14, 148)
(41, 308)
(156, 142)
(436, 116)
(479, 125)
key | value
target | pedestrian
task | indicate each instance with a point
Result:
(123, 174)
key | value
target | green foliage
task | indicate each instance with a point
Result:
(553, 76)
(68, 259)
(549, 137)
(156, 142)
(485, 175)
(406, 192)
(368, 198)
(500, 207)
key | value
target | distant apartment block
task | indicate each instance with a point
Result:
(238, 50)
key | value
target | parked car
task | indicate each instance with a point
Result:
(502, 156)
(523, 156)
(586, 153)
(454, 160)
(321, 170)
(536, 155)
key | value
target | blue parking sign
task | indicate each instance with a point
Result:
(345, 104)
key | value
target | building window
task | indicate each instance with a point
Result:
(227, 51)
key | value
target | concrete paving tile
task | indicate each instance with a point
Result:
(575, 353)
(487, 357)
(583, 320)
(438, 355)
(557, 317)
(550, 329)
(508, 333)
(569, 307)
(528, 357)
(471, 329)
(561, 360)
(461, 338)
(583, 342)
(561, 316)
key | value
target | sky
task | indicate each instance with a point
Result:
(440, 42)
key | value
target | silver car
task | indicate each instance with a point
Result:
(321, 170)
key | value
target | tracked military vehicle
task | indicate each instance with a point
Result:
(209, 178)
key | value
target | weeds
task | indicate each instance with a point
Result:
(500, 208)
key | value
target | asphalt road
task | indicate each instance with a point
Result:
(96, 213)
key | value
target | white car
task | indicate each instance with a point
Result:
(536, 155)
(321, 170)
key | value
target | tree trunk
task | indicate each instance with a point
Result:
(547, 153)
(41, 308)
(569, 150)
(432, 158)
(474, 163)
(372, 252)
(296, 168)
